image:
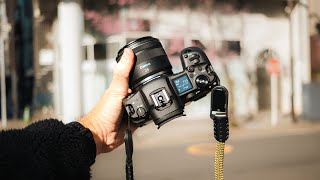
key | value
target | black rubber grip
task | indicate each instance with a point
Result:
(221, 128)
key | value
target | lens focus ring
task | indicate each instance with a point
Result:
(150, 59)
(143, 55)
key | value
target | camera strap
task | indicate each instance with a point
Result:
(129, 151)
(219, 115)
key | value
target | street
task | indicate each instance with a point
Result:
(276, 153)
(95, 61)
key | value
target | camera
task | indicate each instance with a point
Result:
(158, 94)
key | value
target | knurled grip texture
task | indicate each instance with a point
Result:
(221, 128)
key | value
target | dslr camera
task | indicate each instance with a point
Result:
(159, 95)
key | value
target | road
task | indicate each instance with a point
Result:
(274, 153)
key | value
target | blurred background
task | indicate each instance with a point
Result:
(57, 59)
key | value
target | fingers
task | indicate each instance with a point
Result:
(122, 71)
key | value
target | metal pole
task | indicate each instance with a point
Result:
(70, 33)
(274, 99)
(3, 86)
(3, 31)
(289, 10)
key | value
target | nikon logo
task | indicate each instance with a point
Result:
(145, 65)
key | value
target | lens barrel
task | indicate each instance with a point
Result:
(150, 60)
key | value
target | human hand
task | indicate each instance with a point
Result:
(105, 119)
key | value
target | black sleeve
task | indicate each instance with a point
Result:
(47, 149)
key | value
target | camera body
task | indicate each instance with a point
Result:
(161, 95)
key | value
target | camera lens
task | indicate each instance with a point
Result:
(150, 60)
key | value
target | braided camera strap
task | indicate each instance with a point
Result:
(129, 151)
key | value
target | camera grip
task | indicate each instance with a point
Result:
(193, 56)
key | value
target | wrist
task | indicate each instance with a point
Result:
(87, 141)
(97, 133)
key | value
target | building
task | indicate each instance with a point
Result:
(75, 44)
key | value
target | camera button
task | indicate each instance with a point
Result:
(202, 81)
(210, 70)
(194, 56)
(130, 109)
(190, 68)
(141, 112)
(196, 61)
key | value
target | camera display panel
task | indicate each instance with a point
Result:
(182, 84)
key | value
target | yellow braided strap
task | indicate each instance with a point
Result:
(218, 161)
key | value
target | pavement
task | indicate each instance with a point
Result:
(184, 149)
(15, 124)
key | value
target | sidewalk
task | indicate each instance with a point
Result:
(37, 116)
(262, 120)
(202, 126)
(188, 130)
(257, 150)
(15, 124)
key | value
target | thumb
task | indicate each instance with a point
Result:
(122, 70)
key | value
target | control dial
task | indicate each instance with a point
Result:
(202, 81)
(141, 112)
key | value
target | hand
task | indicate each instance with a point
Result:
(105, 119)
